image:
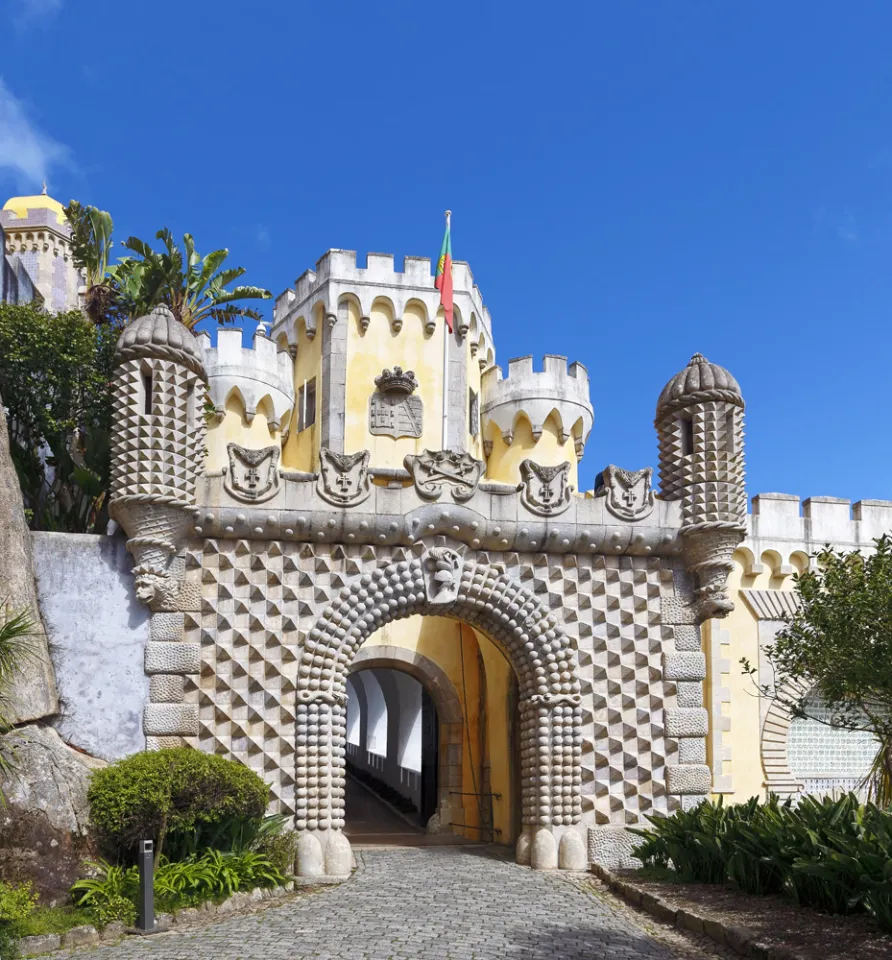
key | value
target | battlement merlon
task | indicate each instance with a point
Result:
(781, 525)
(557, 388)
(337, 274)
(256, 372)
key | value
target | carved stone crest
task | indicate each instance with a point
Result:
(343, 477)
(393, 411)
(434, 470)
(442, 575)
(629, 493)
(545, 490)
(252, 475)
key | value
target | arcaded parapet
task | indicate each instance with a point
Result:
(262, 372)
(537, 395)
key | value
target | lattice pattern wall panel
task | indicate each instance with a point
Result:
(611, 607)
(259, 598)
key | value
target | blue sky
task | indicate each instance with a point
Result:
(630, 182)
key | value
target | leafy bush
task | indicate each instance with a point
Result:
(17, 902)
(179, 795)
(832, 855)
(113, 891)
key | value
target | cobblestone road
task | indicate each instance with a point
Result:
(441, 903)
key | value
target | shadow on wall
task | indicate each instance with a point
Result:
(98, 634)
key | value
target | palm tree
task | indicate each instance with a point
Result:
(91, 244)
(192, 286)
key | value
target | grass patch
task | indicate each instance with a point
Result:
(51, 920)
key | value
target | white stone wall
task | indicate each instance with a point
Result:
(98, 633)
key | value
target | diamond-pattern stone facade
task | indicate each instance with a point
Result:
(261, 599)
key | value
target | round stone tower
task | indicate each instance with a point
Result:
(699, 424)
(157, 446)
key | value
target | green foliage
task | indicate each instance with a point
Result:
(58, 919)
(832, 855)
(179, 794)
(16, 629)
(55, 372)
(112, 892)
(91, 245)
(17, 902)
(839, 644)
(192, 286)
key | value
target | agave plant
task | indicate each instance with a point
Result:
(195, 288)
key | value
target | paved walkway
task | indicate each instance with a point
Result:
(421, 903)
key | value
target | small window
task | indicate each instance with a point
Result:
(306, 405)
(473, 413)
(730, 435)
(147, 393)
(687, 436)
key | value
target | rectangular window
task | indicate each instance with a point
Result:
(473, 413)
(306, 405)
(147, 393)
(687, 436)
(730, 434)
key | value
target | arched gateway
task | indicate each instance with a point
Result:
(439, 582)
(271, 540)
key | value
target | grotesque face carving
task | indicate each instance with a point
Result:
(158, 591)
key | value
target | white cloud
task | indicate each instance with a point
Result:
(27, 155)
(36, 12)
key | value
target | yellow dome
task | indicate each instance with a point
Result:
(21, 205)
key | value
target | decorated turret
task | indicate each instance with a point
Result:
(157, 446)
(541, 416)
(699, 424)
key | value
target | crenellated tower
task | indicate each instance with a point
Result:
(157, 446)
(252, 392)
(545, 416)
(699, 424)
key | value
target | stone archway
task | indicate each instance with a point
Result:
(384, 656)
(440, 583)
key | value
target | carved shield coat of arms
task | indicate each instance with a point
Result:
(629, 493)
(252, 475)
(343, 477)
(545, 490)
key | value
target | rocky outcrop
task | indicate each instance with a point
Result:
(44, 825)
(33, 693)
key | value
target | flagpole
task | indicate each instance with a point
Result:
(446, 358)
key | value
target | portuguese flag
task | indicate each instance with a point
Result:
(443, 281)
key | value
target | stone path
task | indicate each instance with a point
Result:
(434, 903)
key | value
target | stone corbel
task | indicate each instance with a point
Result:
(463, 328)
(331, 319)
(508, 437)
(396, 324)
(364, 322)
(482, 364)
(430, 325)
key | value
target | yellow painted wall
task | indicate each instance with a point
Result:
(745, 765)
(452, 645)
(503, 464)
(234, 428)
(301, 450)
(378, 348)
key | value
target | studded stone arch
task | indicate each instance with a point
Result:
(543, 657)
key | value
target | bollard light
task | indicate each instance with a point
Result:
(146, 920)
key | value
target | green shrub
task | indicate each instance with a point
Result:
(832, 855)
(111, 894)
(179, 795)
(17, 902)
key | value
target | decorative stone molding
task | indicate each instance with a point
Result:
(435, 470)
(343, 478)
(252, 475)
(628, 493)
(545, 491)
